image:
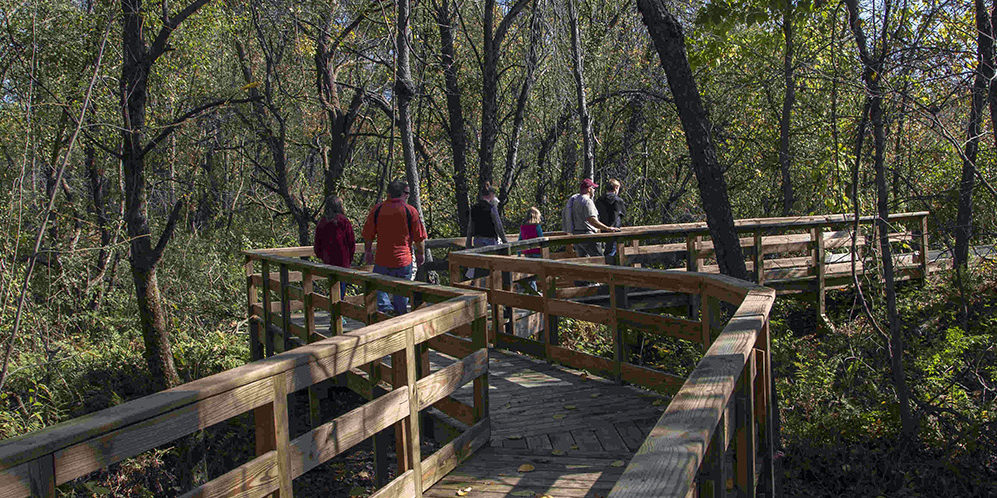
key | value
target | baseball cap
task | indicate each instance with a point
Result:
(587, 183)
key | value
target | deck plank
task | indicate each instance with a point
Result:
(562, 423)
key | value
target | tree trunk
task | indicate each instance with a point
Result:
(578, 70)
(265, 112)
(532, 57)
(405, 91)
(493, 37)
(455, 113)
(984, 73)
(872, 75)
(789, 99)
(336, 155)
(666, 32)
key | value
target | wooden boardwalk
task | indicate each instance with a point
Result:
(576, 431)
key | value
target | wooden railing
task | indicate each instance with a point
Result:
(726, 399)
(34, 464)
(723, 407)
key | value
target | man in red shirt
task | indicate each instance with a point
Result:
(396, 227)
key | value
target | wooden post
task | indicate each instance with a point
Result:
(399, 380)
(308, 305)
(455, 276)
(370, 302)
(41, 476)
(509, 321)
(549, 283)
(285, 309)
(618, 347)
(494, 281)
(335, 298)
(712, 481)
(704, 319)
(272, 433)
(923, 256)
(413, 450)
(267, 329)
(252, 299)
(767, 422)
(479, 340)
(635, 244)
(820, 266)
(307, 287)
(745, 451)
(692, 264)
(759, 259)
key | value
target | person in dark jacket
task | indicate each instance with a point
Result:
(484, 226)
(335, 242)
(611, 211)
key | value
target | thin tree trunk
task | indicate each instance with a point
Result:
(532, 58)
(455, 113)
(336, 155)
(578, 70)
(872, 75)
(138, 58)
(666, 32)
(493, 37)
(405, 91)
(789, 99)
(984, 73)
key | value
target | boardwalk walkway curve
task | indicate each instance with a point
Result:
(713, 437)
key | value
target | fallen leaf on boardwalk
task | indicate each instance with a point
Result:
(522, 493)
(556, 452)
(464, 491)
(617, 463)
(574, 446)
(570, 407)
(730, 484)
(514, 437)
(595, 395)
(558, 416)
(526, 468)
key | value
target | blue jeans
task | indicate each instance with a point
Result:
(398, 303)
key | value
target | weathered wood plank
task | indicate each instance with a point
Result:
(258, 477)
(667, 461)
(330, 439)
(93, 454)
(444, 382)
(661, 324)
(453, 453)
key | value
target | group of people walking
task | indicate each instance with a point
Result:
(396, 228)
(398, 231)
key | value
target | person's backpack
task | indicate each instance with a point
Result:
(408, 217)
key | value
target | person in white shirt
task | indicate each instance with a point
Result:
(580, 216)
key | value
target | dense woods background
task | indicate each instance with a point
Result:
(145, 144)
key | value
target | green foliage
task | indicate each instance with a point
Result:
(840, 422)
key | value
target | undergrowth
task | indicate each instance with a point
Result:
(839, 410)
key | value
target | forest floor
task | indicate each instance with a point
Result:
(839, 410)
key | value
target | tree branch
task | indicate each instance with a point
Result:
(188, 115)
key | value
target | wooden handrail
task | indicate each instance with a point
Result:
(670, 459)
(35, 463)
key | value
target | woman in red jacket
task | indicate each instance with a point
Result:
(334, 240)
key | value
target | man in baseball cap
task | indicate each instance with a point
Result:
(580, 216)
